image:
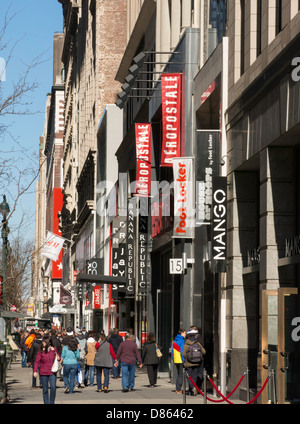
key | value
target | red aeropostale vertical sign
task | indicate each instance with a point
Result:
(97, 297)
(171, 117)
(143, 158)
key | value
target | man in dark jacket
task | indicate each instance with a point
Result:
(115, 340)
(32, 356)
(128, 354)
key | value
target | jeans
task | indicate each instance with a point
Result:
(196, 374)
(24, 359)
(46, 380)
(34, 379)
(91, 369)
(70, 371)
(99, 377)
(179, 378)
(116, 370)
(128, 375)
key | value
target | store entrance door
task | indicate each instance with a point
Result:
(288, 346)
(281, 345)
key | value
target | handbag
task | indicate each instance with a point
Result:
(56, 366)
(158, 352)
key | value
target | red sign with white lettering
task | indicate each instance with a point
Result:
(143, 158)
(171, 117)
(97, 297)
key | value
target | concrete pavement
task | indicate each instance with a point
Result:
(20, 392)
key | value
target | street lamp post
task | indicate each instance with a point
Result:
(4, 209)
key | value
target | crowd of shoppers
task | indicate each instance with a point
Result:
(86, 355)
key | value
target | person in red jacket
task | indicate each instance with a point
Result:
(129, 354)
(44, 359)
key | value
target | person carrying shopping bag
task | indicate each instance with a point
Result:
(44, 362)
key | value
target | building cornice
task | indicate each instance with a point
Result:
(147, 10)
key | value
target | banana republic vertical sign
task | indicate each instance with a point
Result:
(143, 256)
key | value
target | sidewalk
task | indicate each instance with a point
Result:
(20, 391)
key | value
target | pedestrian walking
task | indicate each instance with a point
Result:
(24, 348)
(35, 347)
(150, 359)
(103, 362)
(193, 353)
(128, 354)
(82, 345)
(134, 338)
(84, 332)
(177, 349)
(90, 360)
(30, 339)
(115, 340)
(43, 364)
(70, 355)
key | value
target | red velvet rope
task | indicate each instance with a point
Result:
(219, 400)
(231, 393)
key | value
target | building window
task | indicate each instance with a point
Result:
(259, 29)
(242, 37)
(278, 16)
(218, 17)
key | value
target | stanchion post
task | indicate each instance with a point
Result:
(273, 386)
(247, 383)
(205, 386)
(183, 386)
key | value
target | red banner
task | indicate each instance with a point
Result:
(65, 296)
(143, 158)
(57, 205)
(97, 297)
(171, 117)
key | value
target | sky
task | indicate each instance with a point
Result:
(29, 36)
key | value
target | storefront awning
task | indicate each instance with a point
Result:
(97, 278)
(12, 315)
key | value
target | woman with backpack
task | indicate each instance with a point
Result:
(70, 355)
(193, 353)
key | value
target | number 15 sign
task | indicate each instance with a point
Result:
(176, 266)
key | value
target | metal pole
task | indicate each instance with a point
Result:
(247, 382)
(273, 386)
(205, 387)
(183, 387)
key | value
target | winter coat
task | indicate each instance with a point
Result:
(149, 356)
(104, 354)
(115, 340)
(23, 347)
(90, 351)
(34, 351)
(29, 341)
(69, 356)
(82, 342)
(45, 361)
(187, 344)
(56, 343)
(177, 348)
(128, 352)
